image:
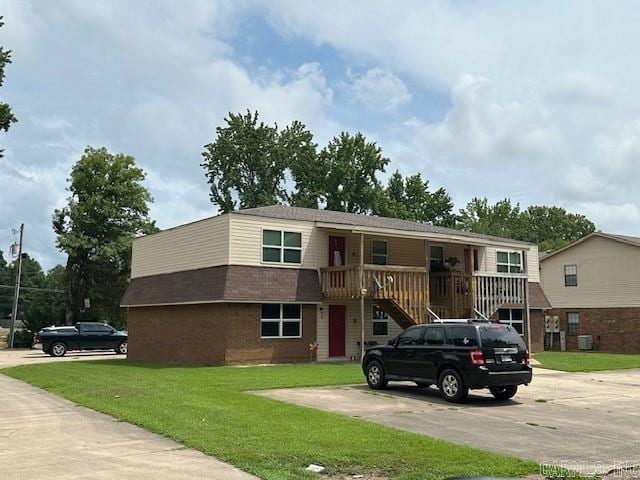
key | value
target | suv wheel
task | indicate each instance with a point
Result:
(122, 348)
(504, 393)
(452, 387)
(58, 349)
(375, 376)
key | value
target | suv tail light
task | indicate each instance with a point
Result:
(476, 357)
(527, 357)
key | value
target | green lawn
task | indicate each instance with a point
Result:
(207, 409)
(586, 361)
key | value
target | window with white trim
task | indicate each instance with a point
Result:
(509, 262)
(379, 252)
(570, 275)
(573, 323)
(512, 317)
(281, 246)
(380, 322)
(281, 320)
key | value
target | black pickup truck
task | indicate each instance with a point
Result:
(56, 341)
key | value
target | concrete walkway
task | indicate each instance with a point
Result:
(43, 436)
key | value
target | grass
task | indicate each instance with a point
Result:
(208, 408)
(587, 361)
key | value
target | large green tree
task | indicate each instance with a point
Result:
(410, 198)
(107, 208)
(351, 165)
(501, 219)
(6, 115)
(549, 227)
(553, 227)
(247, 162)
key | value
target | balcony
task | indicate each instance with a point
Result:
(401, 289)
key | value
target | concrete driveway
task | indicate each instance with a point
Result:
(11, 358)
(43, 436)
(585, 421)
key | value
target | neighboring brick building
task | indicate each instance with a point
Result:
(594, 288)
(260, 285)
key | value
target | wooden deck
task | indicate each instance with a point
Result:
(449, 294)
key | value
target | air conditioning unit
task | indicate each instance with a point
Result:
(585, 342)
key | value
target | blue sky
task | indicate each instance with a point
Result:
(537, 102)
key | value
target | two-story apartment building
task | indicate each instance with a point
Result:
(594, 288)
(263, 284)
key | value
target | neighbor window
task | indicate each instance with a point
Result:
(570, 275)
(573, 323)
(380, 321)
(436, 258)
(512, 317)
(281, 247)
(509, 262)
(281, 320)
(379, 254)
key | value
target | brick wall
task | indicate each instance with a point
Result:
(613, 329)
(212, 334)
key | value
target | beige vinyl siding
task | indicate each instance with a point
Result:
(608, 275)
(196, 245)
(352, 327)
(400, 251)
(246, 241)
(490, 263)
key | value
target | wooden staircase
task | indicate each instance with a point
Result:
(396, 312)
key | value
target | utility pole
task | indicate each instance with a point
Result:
(16, 296)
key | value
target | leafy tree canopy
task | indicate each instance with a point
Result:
(352, 165)
(107, 208)
(549, 227)
(246, 164)
(410, 198)
(6, 115)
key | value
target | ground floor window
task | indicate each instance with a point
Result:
(281, 320)
(380, 321)
(513, 317)
(573, 323)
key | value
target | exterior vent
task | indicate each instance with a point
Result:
(585, 342)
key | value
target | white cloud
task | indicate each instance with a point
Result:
(154, 82)
(380, 90)
(544, 97)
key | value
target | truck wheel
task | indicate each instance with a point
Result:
(452, 387)
(58, 349)
(375, 376)
(122, 348)
(504, 393)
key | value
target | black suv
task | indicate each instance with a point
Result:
(458, 356)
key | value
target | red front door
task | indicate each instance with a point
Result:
(337, 251)
(337, 317)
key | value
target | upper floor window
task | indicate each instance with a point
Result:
(380, 321)
(281, 247)
(509, 262)
(379, 252)
(436, 258)
(570, 275)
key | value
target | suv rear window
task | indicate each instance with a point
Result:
(499, 336)
(463, 336)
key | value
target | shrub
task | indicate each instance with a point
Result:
(22, 339)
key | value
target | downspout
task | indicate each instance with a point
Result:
(362, 293)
